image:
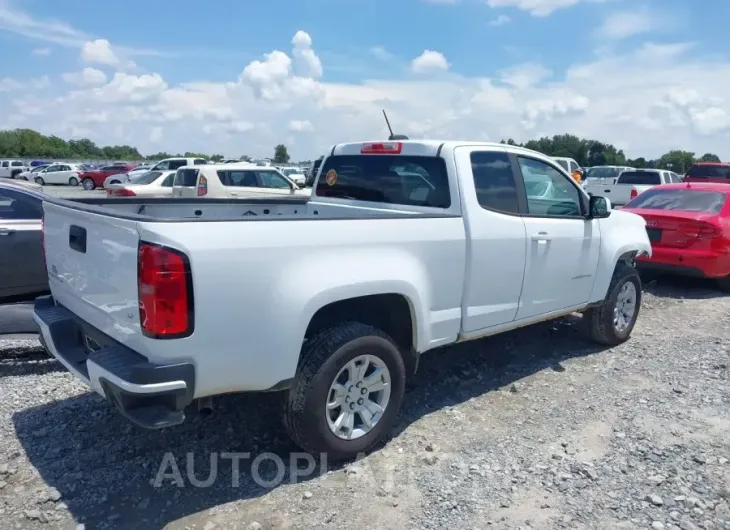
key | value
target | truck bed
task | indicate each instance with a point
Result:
(164, 209)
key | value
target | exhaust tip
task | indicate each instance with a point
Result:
(205, 406)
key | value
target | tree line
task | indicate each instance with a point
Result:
(590, 153)
(27, 143)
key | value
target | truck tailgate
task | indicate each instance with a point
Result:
(92, 268)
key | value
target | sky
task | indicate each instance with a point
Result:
(236, 78)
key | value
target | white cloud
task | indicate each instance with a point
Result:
(538, 8)
(524, 75)
(429, 61)
(647, 100)
(301, 126)
(624, 24)
(42, 51)
(8, 84)
(308, 63)
(501, 20)
(99, 51)
(379, 52)
(88, 77)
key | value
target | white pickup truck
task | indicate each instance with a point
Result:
(405, 246)
(630, 184)
(10, 169)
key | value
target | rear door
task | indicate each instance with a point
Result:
(21, 258)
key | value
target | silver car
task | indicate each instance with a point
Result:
(22, 268)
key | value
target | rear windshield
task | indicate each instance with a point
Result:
(146, 178)
(408, 180)
(682, 199)
(709, 172)
(641, 178)
(186, 177)
(602, 173)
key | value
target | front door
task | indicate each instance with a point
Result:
(562, 245)
(22, 270)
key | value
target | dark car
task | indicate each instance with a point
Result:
(312, 175)
(718, 172)
(22, 267)
(95, 179)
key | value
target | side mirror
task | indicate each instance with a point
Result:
(599, 207)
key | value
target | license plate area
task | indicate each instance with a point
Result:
(655, 234)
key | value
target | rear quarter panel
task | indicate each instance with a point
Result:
(258, 284)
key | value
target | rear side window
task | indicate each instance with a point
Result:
(186, 178)
(146, 178)
(17, 207)
(685, 200)
(199, 162)
(407, 180)
(494, 181)
(174, 164)
(236, 179)
(640, 178)
(17, 164)
(709, 172)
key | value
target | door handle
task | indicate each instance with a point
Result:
(606, 191)
(6, 232)
(541, 237)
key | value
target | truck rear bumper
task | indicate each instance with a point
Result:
(151, 395)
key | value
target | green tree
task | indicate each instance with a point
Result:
(709, 157)
(281, 155)
(245, 158)
(678, 161)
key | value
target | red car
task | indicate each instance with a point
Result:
(709, 172)
(689, 229)
(95, 179)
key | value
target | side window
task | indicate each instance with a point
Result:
(549, 192)
(52, 169)
(64, 168)
(5, 163)
(17, 164)
(167, 183)
(14, 206)
(573, 166)
(174, 164)
(199, 162)
(271, 179)
(162, 166)
(246, 179)
(494, 181)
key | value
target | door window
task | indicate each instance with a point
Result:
(271, 179)
(52, 169)
(549, 192)
(238, 179)
(162, 166)
(5, 163)
(15, 206)
(174, 164)
(494, 181)
(167, 183)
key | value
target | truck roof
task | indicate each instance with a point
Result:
(428, 147)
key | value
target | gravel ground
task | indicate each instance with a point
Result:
(533, 429)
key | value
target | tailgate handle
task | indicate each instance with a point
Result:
(77, 238)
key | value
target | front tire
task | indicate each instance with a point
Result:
(612, 322)
(88, 184)
(347, 393)
(39, 180)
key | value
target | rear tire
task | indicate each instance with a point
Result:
(88, 184)
(73, 181)
(724, 283)
(312, 423)
(610, 324)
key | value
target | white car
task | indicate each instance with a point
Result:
(10, 169)
(150, 184)
(176, 162)
(203, 297)
(232, 181)
(59, 174)
(30, 174)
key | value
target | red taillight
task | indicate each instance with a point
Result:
(122, 192)
(700, 230)
(202, 186)
(634, 193)
(164, 286)
(382, 148)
